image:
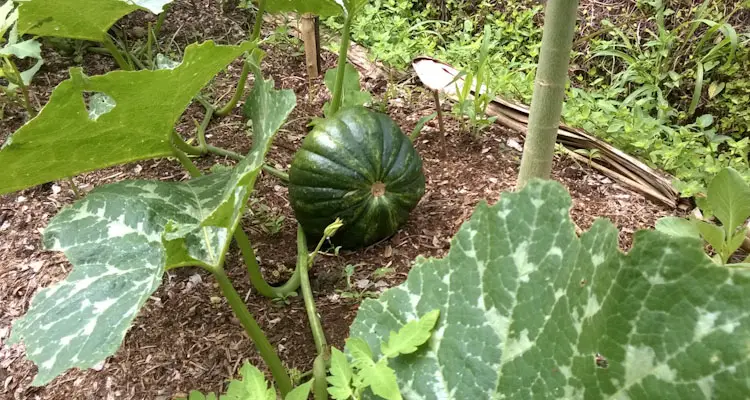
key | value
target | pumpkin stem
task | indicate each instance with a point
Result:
(378, 189)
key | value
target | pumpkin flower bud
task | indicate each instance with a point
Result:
(332, 228)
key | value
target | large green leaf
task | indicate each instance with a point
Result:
(120, 239)
(324, 8)
(64, 140)
(529, 310)
(78, 19)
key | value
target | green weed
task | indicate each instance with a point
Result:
(672, 90)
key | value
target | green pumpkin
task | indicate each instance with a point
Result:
(359, 166)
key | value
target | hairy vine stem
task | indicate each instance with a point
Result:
(238, 306)
(304, 261)
(253, 270)
(179, 143)
(303, 264)
(240, 89)
(240, 237)
(255, 332)
(341, 67)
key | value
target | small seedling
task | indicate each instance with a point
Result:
(358, 289)
(728, 200)
(382, 272)
(590, 154)
(284, 299)
(268, 220)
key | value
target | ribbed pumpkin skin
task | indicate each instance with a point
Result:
(333, 173)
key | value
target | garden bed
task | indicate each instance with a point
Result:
(186, 337)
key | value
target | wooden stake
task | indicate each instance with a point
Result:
(439, 110)
(310, 31)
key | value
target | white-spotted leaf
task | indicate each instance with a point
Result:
(120, 239)
(530, 310)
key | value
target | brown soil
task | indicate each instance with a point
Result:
(186, 337)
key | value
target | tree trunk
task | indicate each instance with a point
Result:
(549, 90)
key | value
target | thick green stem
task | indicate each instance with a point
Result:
(338, 92)
(184, 147)
(549, 91)
(238, 92)
(266, 350)
(197, 151)
(186, 163)
(258, 20)
(320, 372)
(239, 308)
(240, 89)
(224, 152)
(253, 270)
(110, 46)
(283, 176)
(201, 134)
(303, 263)
(243, 242)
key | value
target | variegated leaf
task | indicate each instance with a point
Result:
(529, 310)
(121, 238)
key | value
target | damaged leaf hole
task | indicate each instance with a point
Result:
(98, 104)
